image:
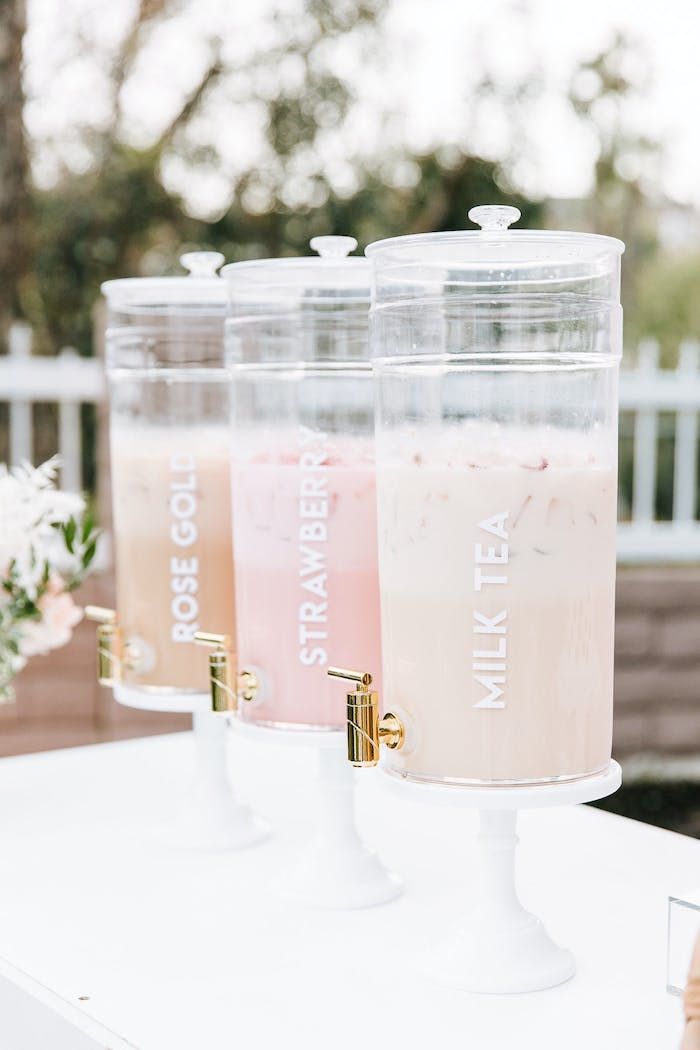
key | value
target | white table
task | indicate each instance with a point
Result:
(109, 939)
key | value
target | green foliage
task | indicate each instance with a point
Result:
(94, 227)
(667, 301)
(119, 218)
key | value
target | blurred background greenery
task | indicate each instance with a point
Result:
(108, 208)
(84, 198)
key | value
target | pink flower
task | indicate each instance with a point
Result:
(59, 615)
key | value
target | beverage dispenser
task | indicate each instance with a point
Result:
(496, 357)
(304, 528)
(169, 409)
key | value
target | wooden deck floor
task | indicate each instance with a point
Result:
(60, 704)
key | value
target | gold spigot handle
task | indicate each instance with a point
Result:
(361, 677)
(223, 696)
(98, 614)
(365, 729)
(218, 641)
(109, 644)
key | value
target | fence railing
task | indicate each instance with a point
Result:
(646, 391)
(66, 380)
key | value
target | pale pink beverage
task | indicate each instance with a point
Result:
(172, 535)
(497, 554)
(307, 593)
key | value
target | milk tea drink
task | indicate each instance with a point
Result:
(172, 535)
(307, 586)
(498, 596)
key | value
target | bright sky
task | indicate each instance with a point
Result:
(413, 91)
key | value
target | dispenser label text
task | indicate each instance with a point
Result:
(184, 566)
(313, 538)
(489, 656)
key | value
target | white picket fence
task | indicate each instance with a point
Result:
(645, 391)
(69, 380)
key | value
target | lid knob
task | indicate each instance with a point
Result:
(202, 264)
(333, 247)
(494, 216)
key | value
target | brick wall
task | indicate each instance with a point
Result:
(657, 674)
(657, 680)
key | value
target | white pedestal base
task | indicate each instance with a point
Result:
(334, 868)
(212, 818)
(166, 700)
(498, 947)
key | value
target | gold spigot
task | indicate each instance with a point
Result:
(109, 644)
(223, 697)
(366, 730)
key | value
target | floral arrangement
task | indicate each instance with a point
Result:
(47, 542)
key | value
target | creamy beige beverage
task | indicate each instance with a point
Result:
(497, 568)
(172, 534)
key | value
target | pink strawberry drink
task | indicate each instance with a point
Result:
(307, 588)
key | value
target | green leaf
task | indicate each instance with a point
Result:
(69, 530)
(89, 553)
(88, 524)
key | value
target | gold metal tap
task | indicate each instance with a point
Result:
(223, 697)
(109, 644)
(366, 730)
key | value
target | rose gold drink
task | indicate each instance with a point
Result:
(172, 529)
(169, 418)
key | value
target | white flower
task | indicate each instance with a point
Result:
(29, 508)
(59, 615)
(36, 564)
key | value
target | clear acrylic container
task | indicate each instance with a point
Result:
(496, 353)
(683, 941)
(169, 428)
(303, 480)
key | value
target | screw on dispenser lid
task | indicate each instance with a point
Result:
(202, 290)
(498, 260)
(334, 276)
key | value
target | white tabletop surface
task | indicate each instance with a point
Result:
(109, 939)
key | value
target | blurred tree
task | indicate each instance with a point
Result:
(121, 215)
(16, 227)
(403, 195)
(668, 304)
(625, 173)
(108, 221)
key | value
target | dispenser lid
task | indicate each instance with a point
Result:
(497, 256)
(331, 278)
(201, 290)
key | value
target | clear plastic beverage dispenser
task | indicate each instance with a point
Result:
(169, 411)
(303, 483)
(496, 357)
(496, 354)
